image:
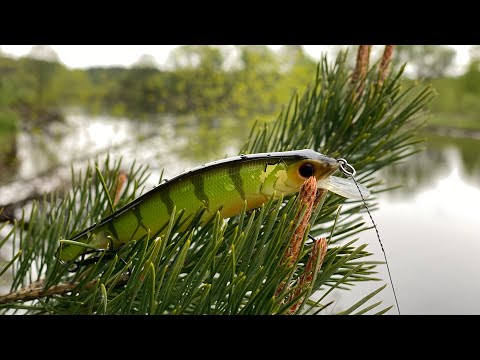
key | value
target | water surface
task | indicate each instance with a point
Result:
(429, 227)
(430, 230)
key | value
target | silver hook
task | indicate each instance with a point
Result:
(346, 168)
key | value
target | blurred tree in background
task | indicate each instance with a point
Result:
(199, 81)
(211, 83)
(241, 82)
(471, 78)
(426, 61)
(43, 65)
(255, 81)
(258, 262)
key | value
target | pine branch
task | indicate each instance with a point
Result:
(36, 290)
(236, 266)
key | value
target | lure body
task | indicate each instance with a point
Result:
(222, 186)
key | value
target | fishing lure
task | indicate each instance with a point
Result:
(223, 186)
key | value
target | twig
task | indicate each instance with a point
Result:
(36, 290)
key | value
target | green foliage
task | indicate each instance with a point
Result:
(457, 104)
(43, 72)
(31, 86)
(8, 122)
(427, 61)
(416, 174)
(16, 85)
(234, 266)
(8, 144)
(240, 81)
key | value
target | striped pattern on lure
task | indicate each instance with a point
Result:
(223, 186)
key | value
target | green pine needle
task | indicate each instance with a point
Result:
(232, 266)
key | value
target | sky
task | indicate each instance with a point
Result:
(83, 56)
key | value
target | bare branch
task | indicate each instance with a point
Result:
(36, 290)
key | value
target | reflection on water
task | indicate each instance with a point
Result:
(40, 159)
(441, 155)
(430, 230)
(429, 227)
(8, 156)
(163, 142)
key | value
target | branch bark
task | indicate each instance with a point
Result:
(36, 290)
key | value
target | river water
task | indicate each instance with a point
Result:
(430, 230)
(429, 227)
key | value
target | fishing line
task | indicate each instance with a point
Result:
(350, 171)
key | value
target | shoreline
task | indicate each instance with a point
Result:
(452, 132)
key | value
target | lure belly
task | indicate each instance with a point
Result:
(222, 186)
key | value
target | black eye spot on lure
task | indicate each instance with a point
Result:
(306, 170)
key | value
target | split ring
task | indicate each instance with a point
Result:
(346, 168)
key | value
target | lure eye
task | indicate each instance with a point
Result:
(306, 170)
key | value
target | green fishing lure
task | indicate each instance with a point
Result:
(223, 186)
